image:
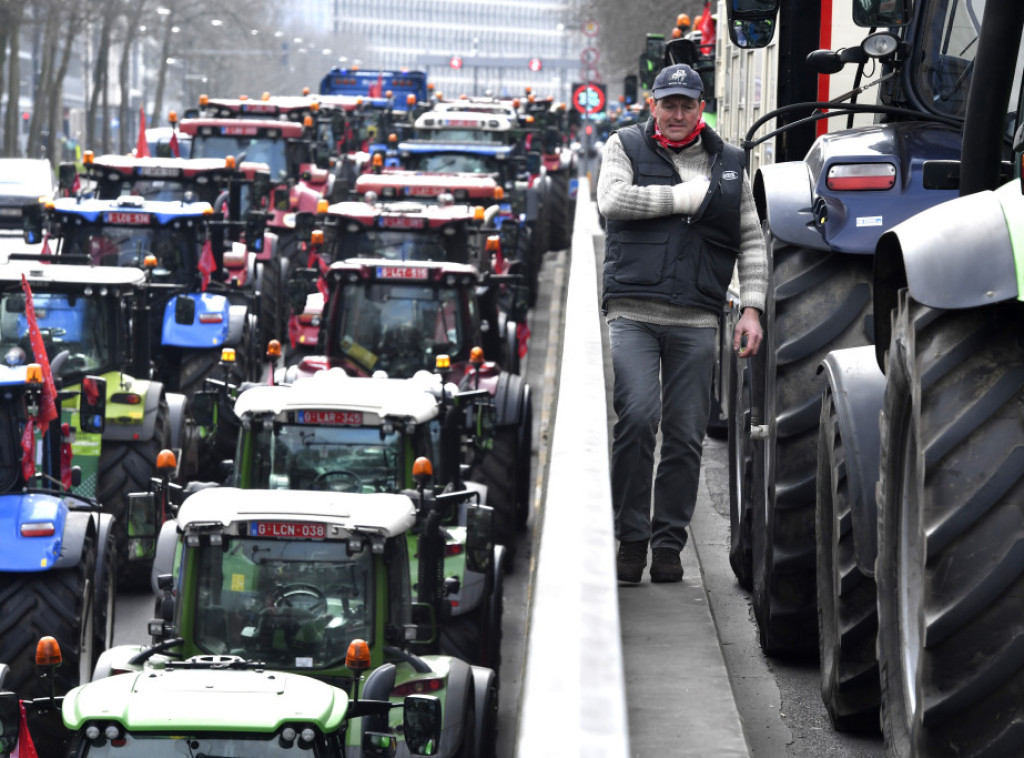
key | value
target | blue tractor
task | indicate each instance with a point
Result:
(58, 564)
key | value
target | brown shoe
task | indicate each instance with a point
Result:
(666, 566)
(630, 563)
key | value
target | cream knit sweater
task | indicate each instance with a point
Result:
(619, 198)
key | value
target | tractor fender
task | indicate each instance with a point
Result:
(483, 681)
(115, 659)
(857, 386)
(166, 547)
(510, 395)
(154, 392)
(269, 246)
(77, 524)
(176, 404)
(956, 255)
(236, 324)
(460, 690)
(783, 195)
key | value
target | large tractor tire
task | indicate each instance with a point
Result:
(497, 471)
(741, 462)
(950, 569)
(58, 603)
(818, 302)
(127, 467)
(197, 365)
(274, 309)
(847, 614)
(557, 212)
(105, 597)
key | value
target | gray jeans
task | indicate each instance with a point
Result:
(662, 376)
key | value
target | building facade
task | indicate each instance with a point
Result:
(467, 46)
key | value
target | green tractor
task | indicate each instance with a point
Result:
(216, 705)
(291, 578)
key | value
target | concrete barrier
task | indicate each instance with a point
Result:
(573, 699)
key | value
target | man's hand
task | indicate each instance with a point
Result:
(748, 326)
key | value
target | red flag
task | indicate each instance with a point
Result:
(47, 402)
(707, 31)
(175, 148)
(46, 246)
(206, 264)
(67, 437)
(25, 748)
(522, 337)
(141, 146)
(76, 185)
(28, 444)
(377, 90)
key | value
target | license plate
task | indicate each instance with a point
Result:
(289, 529)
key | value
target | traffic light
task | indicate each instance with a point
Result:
(652, 60)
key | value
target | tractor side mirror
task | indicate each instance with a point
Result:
(204, 405)
(752, 33)
(32, 224)
(255, 228)
(184, 310)
(479, 537)
(305, 222)
(260, 186)
(533, 162)
(66, 174)
(421, 724)
(143, 516)
(92, 407)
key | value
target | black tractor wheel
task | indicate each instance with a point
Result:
(58, 603)
(557, 212)
(950, 570)
(198, 365)
(498, 470)
(819, 302)
(847, 614)
(475, 637)
(105, 597)
(486, 727)
(741, 461)
(127, 467)
(273, 308)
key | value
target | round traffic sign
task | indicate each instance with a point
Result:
(455, 62)
(591, 28)
(588, 98)
(590, 74)
(590, 55)
(535, 64)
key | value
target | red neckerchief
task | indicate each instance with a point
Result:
(685, 142)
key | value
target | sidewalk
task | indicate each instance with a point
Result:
(678, 697)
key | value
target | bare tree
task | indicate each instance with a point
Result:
(99, 100)
(622, 32)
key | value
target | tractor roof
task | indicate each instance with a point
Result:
(157, 168)
(401, 215)
(343, 513)
(493, 122)
(427, 184)
(234, 127)
(129, 210)
(44, 274)
(411, 272)
(431, 147)
(12, 376)
(179, 700)
(334, 390)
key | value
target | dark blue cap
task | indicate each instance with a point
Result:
(678, 79)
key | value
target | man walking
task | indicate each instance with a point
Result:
(680, 216)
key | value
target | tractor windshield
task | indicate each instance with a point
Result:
(292, 599)
(83, 327)
(192, 745)
(176, 250)
(273, 152)
(399, 328)
(944, 59)
(465, 163)
(339, 457)
(357, 241)
(472, 136)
